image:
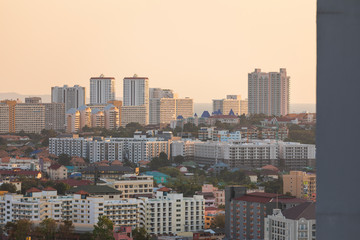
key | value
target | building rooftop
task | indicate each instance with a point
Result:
(95, 189)
(305, 210)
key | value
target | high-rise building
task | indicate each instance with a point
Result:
(300, 184)
(136, 91)
(29, 118)
(184, 107)
(72, 97)
(33, 100)
(54, 116)
(167, 110)
(72, 120)
(269, 92)
(244, 107)
(136, 100)
(102, 89)
(117, 104)
(225, 106)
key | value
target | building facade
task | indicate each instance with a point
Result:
(300, 184)
(72, 97)
(102, 89)
(269, 93)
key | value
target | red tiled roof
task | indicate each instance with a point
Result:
(49, 189)
(33, 189)
(82, 192)
(271, 167)
(74, 182)
(263, 194)
(55, 166)
(22, 172)
(248, 198)
(164, 189)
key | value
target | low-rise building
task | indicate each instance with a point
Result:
(134, 186)
(57, 172)
(295, 223)
(169, 213)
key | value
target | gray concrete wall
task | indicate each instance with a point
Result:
(338, 119)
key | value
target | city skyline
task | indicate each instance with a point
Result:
(68, 48)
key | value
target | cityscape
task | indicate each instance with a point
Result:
(149, 165)
(183, 149)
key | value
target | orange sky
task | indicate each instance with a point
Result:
(200, 48)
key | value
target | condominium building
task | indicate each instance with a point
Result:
(245, 213)
(237, 153)
(170, 213)
(16, 117)
(54, 116)
(118, 104)
(72, 120)
(300, 184)
(29, 118)
(136, 100)
(33, 100)
(296, 156)
(97, 118)
(135, 114)
(80, 207)
(268, 93)
(168, 109)
(85, 116)
(112, 120)
(134, 186)
(136, 91)
(102, 89)
(98, 149)
(295, 223)
(232, 102)
(57, 172)
(244, 107)
(183, 148)
(185, 107)
(72, 97)
(5, 118)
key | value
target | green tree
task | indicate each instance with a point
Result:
(103, 230)
(140, 234)
(23, 229)
(27, 183)
(64, 159)
(47, 228)
(66, 230)
(159, 162)
(172, 172)
(179, 159)
(8, 187)
(61, 187)
(28, 150)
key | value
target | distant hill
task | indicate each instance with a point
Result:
(14, 96)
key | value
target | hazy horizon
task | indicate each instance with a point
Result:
(200, 49)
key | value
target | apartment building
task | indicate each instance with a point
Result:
(245, 213)
(231, 103)
(185, 107)
(102, 89)
(57, 172)
(183, 148)
(237, 153)
(244, 109)
(72, 120)
(72, 97)
(296, 156)
(295, 223)
(16, 117)
(98, 149)
(169, 213)
(300, 184)
(136, 114)
(133, 186)
(269, 93)
(80, 207)
(54, 116)
(135, 100)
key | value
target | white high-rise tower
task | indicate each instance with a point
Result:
(102, 89)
